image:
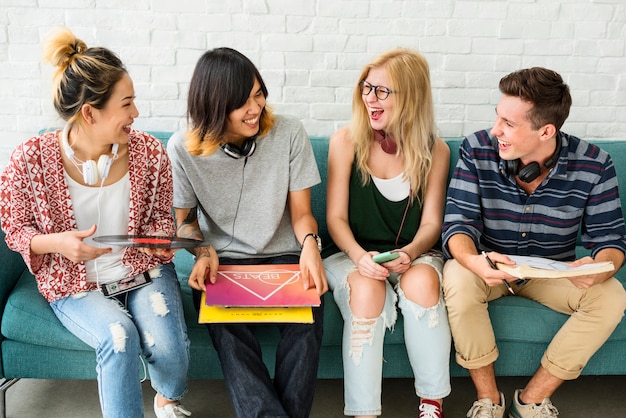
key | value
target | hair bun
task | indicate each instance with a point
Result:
(78, 48)
(61, 47)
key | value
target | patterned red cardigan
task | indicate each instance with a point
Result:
(35, 199)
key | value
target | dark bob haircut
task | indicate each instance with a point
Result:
(221, 83)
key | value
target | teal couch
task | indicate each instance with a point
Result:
(34, 344)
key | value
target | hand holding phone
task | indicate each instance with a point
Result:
(386, 256)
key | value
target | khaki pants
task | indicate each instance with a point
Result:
(594, 314)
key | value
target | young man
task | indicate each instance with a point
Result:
(242, 181)
(523, 189)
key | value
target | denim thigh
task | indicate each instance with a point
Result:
(105, 325)
(157, 311)
(148, 320)
(363, 339)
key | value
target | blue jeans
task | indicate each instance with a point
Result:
(251, 389)
(146, 321)
(426, 335)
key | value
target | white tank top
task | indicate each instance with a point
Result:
(108, 208)
(394, 189)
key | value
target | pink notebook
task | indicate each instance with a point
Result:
(269, 285)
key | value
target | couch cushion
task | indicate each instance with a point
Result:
(28, 318)
(318, 192)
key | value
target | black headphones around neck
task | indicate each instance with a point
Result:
(246, 149)
(533, 170)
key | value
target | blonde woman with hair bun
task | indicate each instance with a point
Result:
(98, 176)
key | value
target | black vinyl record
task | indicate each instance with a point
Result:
(148, 241)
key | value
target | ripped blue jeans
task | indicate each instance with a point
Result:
(146, 321)
(426, 335)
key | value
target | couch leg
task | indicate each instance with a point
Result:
(4, 385)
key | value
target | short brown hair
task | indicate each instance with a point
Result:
(543, 88)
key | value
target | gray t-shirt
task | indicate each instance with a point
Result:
(242, 202)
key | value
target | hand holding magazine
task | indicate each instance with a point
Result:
(544, 268)
(258, 293)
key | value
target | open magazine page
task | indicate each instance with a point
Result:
(539, 267)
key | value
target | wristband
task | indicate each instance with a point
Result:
(317, 239)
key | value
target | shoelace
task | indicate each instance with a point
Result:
(178, 411)
(546, 410)
(481, 409)
(429, 411)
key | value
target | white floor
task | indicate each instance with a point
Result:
(588, 397)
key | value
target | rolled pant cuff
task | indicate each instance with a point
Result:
(433, 396)
(483, 361)
(354, 412)
(559, 372)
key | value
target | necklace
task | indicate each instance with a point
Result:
(386, 142)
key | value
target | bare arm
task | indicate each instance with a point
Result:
(433, 203)
(303, 223)
(465, 252)
(69, 243)
(207, 261)
(340, 158)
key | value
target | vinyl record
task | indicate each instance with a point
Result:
(148, 241)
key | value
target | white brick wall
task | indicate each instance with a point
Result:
(311, 51)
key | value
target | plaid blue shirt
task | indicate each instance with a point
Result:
(485, 203)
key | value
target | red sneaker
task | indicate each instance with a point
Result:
(430, 409)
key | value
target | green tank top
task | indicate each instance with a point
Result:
(377, 222)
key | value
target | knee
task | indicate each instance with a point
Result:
(459, 282)
(123, 338)
(165, 344)
(361, 308)
(366, 296)
(420, 285)
(415, 315)
(609, 299)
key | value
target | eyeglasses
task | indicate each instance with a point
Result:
(381, 92)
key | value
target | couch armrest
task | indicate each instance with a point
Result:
(12, 267)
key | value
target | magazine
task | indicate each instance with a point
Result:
(545, 268)
(221, 314)
(269, 285)
(271, 293)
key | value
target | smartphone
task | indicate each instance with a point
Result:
(384, 257)
(125, 285)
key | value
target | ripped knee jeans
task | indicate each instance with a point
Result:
(146, 321)
(426, 335)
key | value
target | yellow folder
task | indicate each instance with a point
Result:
(219, 314)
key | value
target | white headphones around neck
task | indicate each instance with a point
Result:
(92, 172)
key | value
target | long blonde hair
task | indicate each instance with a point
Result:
(412, 126)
